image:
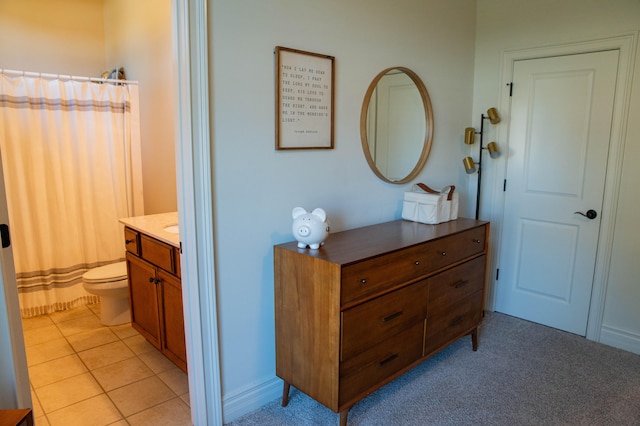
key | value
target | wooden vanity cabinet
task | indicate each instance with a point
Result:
(156, 295)
(374, 302)
(144, 297)
(172, 319)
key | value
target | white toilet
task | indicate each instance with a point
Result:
(111, 284)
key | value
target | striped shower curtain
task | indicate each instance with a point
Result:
(71, 164)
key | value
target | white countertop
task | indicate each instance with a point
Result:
(154, 225)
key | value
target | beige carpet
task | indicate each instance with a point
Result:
(522, 374)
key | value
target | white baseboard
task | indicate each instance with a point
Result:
(250, 398)
(620, 339)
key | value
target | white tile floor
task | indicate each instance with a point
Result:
(83, 373)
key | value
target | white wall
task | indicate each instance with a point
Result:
(256, 187)
(138, 37)
(52, 36)
(621, 320)
(519, 24)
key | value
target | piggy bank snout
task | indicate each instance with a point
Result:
(303, 231)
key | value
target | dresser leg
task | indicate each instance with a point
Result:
(285, 393)
(474, 339)
(343, 417)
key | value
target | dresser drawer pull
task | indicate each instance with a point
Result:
(477, 241)
(128, 241)
(363, 281)
(456, 321)
(392, 316)
(388, 359)
(460, 284)
(444, 253)
(417, 262)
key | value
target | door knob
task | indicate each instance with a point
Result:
(591, 214)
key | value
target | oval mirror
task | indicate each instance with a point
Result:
(396, 125)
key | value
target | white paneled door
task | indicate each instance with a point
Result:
(560, 126)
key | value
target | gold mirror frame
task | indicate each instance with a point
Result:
(428, 138)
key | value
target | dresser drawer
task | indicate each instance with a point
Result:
(445, 251)
(132, 241)
(445, 325)
(369, 323)
(448, 287)
(375, 275)
(371, 276)
(381, 361)
(157, 252)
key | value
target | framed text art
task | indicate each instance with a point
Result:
(304, 99)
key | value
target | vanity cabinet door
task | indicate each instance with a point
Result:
(143, 291)
(173, 339)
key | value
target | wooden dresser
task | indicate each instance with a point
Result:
(374, 302)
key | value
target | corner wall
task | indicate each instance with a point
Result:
(138, 36)
(256, 187)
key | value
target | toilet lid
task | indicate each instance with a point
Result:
(107, 273)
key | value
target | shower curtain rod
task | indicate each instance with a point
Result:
(65, 77)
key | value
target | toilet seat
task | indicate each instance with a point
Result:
(106, 274)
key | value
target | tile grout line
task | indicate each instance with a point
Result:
(120, 338)
(91, 371)
(45, 414)
(29, 367)
(135, 355)
(76, 353)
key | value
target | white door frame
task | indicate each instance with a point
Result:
(13, 366)
(194, 179)
(626, 44)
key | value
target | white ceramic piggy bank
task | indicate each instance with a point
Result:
(310, 229)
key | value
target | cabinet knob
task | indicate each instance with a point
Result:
(128, 241)
(150, 279)
(363, 281)
(476, 241)
(417, 262)
(444, 253)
